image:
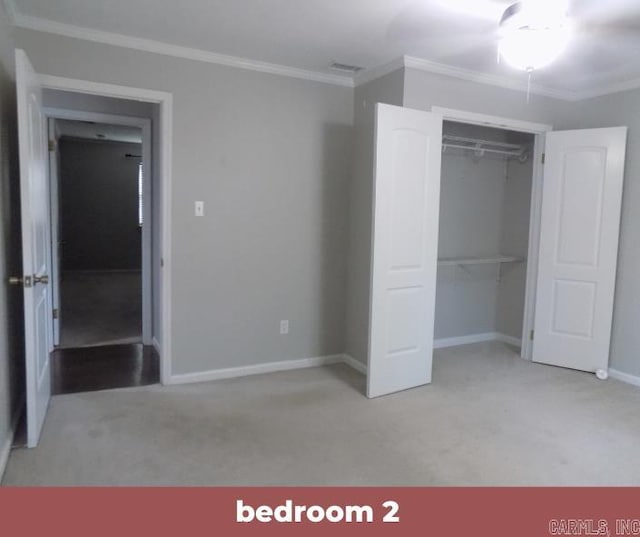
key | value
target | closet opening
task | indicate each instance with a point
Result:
(486, 195)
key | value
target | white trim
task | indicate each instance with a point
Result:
(40, 24)
(116, 91)
(443, 343)
(624, 377)
(610, 89)
(419, 64)
(354, 364)
(145, 125)
(504, 338)
(538, 130)
(374, 73)
(533, 254)
(5, 449)
(158, 47)
(165, 101)
(497, 122)
(256, 369)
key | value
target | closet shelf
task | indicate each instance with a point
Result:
(480, 147)
(497, 259)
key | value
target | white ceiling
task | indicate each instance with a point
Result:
(310, 34)
(89, 130)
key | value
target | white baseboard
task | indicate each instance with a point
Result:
(258, 369)
(355, 364)
(516, 342)
(272, 367)
(156, 345)
(624, 377)
(464, 340)
(5, 449)
(475, 338)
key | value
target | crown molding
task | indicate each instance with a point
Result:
(484, 78)
(166, 49)
(158, 47)
(374, 73)
(602, 91)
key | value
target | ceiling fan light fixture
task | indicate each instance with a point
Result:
(534, 34)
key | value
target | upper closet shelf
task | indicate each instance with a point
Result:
(497, 259)
(481, 147)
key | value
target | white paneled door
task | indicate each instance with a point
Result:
(34, 192)
(405, 246)
(582, 194)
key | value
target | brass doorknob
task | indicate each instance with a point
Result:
(44, 279)
(15, 280)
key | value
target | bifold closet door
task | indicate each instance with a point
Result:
(405, 245)
(582, 195)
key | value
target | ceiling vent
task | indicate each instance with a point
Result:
(345, 68)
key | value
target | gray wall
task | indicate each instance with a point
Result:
(11, 319)
(388, 89)
(422, 90)
(99, 205)
(484, 210)
(514, 240)
(472, 192)
(612, 111)
(270, 156)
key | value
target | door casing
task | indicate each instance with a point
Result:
(164, 175)
(538, 130)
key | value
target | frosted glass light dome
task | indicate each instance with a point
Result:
(534, 34)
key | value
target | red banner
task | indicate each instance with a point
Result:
(522, 512)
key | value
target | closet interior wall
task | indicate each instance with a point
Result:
(484, 212)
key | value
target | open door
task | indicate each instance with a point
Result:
(405, 247)
(34, 193)
(581, 201)
(54, 186)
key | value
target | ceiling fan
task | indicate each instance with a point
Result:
(529, 34)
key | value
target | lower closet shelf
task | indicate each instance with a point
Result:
(496, 259)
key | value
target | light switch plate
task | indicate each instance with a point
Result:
(199, 208)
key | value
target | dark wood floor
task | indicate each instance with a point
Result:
(88, 369)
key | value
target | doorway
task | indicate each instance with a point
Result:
(101, 229)
(35, 187)
(98, 174)
(485, 206)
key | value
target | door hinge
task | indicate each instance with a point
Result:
(161, 262)
(55, 313)
(52, 145)
(531, 334)
(544, 157)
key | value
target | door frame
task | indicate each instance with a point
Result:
(538, 130)
(147, 206)
(163, 179)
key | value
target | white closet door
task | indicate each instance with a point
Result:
(582, 195)
(405, 246)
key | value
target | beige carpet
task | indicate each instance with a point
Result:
(489, 418)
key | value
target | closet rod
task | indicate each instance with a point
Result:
(479, 141)
(483, 150)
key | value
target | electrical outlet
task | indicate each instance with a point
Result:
(199, 208)
(284, 327)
